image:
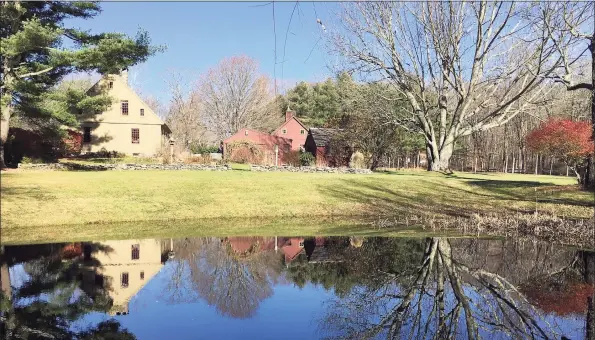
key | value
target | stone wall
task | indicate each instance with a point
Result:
(103, 167)
(309, 169)
(225, 167)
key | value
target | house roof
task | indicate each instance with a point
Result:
(287, 121)
(116, 77)
(322, 136)
(257, 137)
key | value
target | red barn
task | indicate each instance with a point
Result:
(318, 144)
(265, 142)
(292, 129)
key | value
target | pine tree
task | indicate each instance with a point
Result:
(34, 58)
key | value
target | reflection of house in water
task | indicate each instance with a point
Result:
(313, 248)
(122, 268)
(290, 247)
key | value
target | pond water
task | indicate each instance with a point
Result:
(297, 288)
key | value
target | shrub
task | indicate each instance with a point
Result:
(202, 149)
(244, 152)
(307, 159)
(358, 161)
(564, 139)
(30, 160)
(293, 158)
(202, 159)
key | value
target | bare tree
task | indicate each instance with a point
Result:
(463, 66)
(235, 96)
(156, 105)
(184, 113)
(456, 292)
(570, 29)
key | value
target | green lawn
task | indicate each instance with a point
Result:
(50, 205)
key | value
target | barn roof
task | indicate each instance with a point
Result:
(322, 136)
(257, 137)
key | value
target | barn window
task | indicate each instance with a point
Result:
(142, 112)
(135, 136)
(124, 280)
(284, 131)
(302, 132)
(86, 135)
(125, 107)
(135, 251)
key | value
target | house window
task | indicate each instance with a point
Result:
(135, 136)
(142, 112)
(125, 107)
(284, 131)
(246, 133)
(124, 280)
(135, 251)
(301, 244)
(86, 135)
(111, 85)
(142, 275)
(302, 131)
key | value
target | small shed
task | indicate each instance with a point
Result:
(318, 143)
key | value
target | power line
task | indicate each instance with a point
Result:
(285, 43)
(275, 50)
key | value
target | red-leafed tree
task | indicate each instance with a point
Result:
(568, 140)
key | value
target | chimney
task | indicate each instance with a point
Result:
(289, 114)
(124, 75)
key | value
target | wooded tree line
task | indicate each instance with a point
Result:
(505, 148)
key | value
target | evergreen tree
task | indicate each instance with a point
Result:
(35, 56)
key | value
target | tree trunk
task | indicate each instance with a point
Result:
(440, 158)
(536, 162)
(475, 165)
(589, 182)
(551, 165)
(375, 162)
(4, 126)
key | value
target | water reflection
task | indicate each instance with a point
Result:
(417, 288)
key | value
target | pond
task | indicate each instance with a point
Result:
(298, 288)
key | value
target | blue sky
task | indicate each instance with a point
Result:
(200, 34)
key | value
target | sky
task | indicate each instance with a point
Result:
(198, 35)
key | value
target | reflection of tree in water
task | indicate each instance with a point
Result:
(458, 289)
(53, 296)
(235, 283)
(356, 265)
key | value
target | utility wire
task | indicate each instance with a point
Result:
(275, 50)
(285, 43)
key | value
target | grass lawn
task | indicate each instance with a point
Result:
(52, 205)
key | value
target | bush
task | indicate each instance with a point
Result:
(307, 159)
(244, 152)
(358, 161)
(29, 160)
(293, 158)
(202, 149)
(202, 159)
